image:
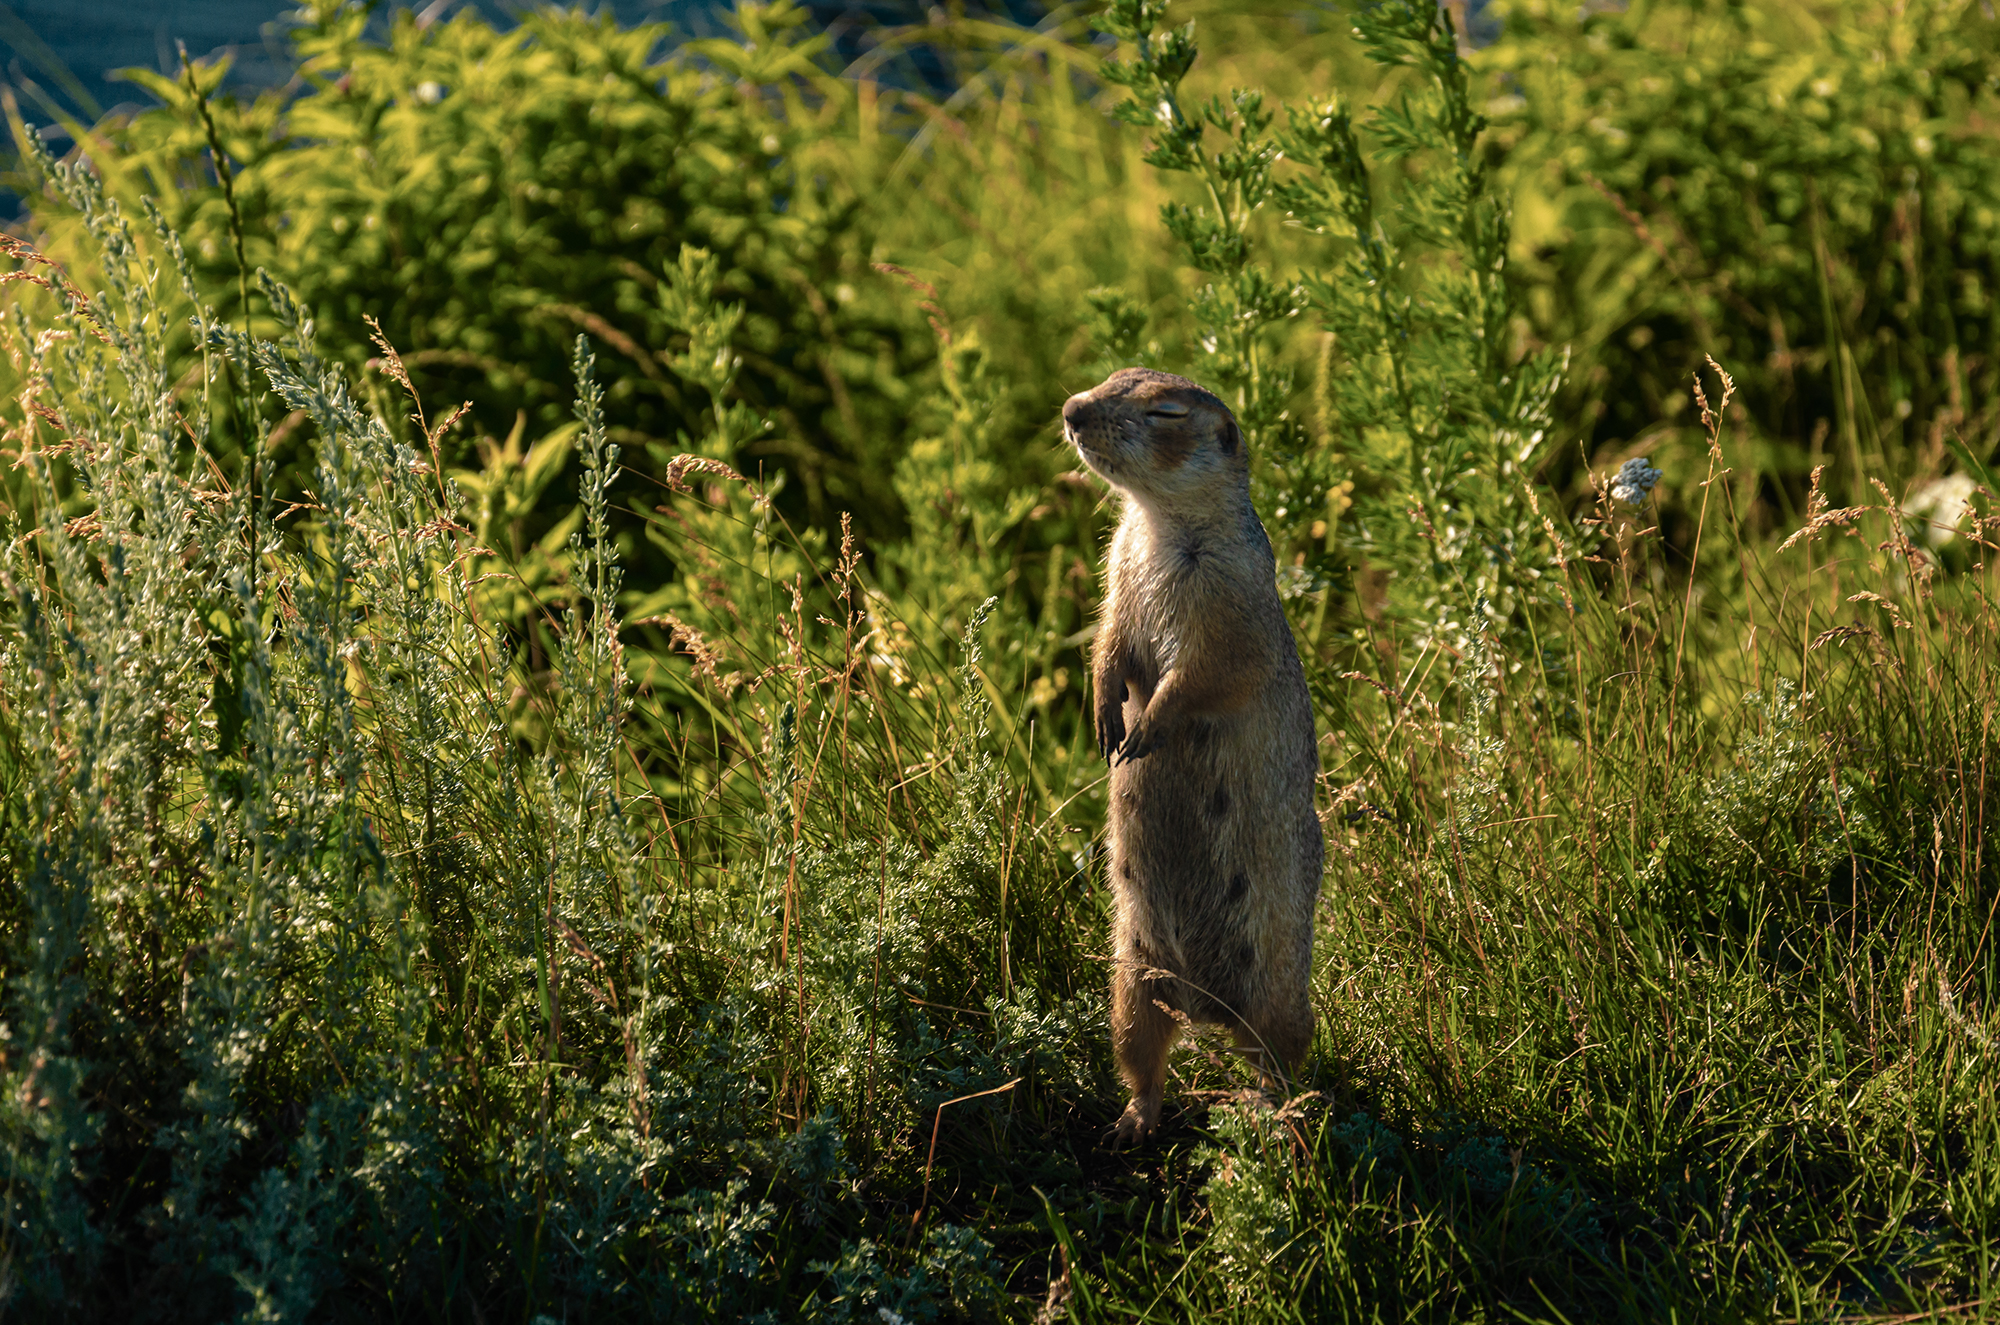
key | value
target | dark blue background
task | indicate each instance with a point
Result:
(71, 50)
(67, 53)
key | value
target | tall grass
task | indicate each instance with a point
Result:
(1656, 977)
(359, 962)
(409, 917)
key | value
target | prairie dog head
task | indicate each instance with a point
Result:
(1156, 436)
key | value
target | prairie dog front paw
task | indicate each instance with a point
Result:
(1110, 719)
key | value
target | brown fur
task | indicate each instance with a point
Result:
(1216, 852)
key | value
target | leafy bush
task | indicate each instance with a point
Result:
(1422, 407)
(368, 933)
(488, 195)
(1807, 192)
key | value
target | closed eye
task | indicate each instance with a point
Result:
(1167, 409)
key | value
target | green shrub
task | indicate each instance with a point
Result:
(357, 964)
(1805, 191)
(488, 195)
(1430, 430)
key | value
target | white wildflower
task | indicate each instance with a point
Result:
(1939, 507)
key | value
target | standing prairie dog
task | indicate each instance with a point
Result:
(1202, 709)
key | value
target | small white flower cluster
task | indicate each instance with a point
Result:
(1633, 481)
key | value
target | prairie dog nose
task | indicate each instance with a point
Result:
(1073, 409)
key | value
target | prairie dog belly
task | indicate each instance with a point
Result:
(1209, 862)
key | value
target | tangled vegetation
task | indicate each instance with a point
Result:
(623, 847)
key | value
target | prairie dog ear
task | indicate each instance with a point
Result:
(1229, 437)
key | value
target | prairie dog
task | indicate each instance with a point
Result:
(1201, 707)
